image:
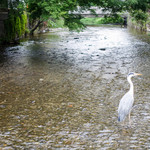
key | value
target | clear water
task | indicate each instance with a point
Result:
(61, 90)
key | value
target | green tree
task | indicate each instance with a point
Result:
(138, 11)
(16, 23)
(41, 10)
(134, 5)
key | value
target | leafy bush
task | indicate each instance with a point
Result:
(139, 16)
(104, 20)
(56, 24)
(140, 19)
(15, 26)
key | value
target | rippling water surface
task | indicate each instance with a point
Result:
(61, 91)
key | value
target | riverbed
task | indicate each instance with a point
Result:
(60, 91)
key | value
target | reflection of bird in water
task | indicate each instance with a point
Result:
(127, 100)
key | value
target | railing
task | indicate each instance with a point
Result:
(93, 15)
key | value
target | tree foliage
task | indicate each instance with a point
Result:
(43, 10)
(15, 26)
(134, 5)
(16, 23)
(139, 11)
(53, 9)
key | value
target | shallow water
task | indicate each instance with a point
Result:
(61, 90)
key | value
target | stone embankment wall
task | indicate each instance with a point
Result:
(138, 25)
(3, 16)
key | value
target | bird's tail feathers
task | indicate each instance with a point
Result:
(121, 118)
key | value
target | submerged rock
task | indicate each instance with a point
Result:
(102, 49)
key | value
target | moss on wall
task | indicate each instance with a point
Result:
(15, 26)
(23, 21)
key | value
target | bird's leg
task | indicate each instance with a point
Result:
(129, 119)
(123, 122)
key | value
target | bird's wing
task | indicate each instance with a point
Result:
(126, 103)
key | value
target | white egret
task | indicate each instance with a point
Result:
(127, 100)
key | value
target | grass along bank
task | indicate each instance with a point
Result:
(104, 20)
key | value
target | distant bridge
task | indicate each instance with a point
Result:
(98, 13)
(92, 15)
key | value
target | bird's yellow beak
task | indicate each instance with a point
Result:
(138, 74)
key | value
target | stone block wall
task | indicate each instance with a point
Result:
(3, 16)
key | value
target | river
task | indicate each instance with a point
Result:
(60, 91)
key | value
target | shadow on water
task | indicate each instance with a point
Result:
(61, 90)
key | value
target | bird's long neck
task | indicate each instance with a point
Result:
(131, 86)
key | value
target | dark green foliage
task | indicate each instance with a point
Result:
(16, 23)
(54, 9)
(3, 4)
(139, 15)
(23, 21)
(138, 10)
(74, 23)
(10, 28)
(116, 19)
(15, 26)
(55, 24)
(133, 5)
(18, 26)
(43, 10)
